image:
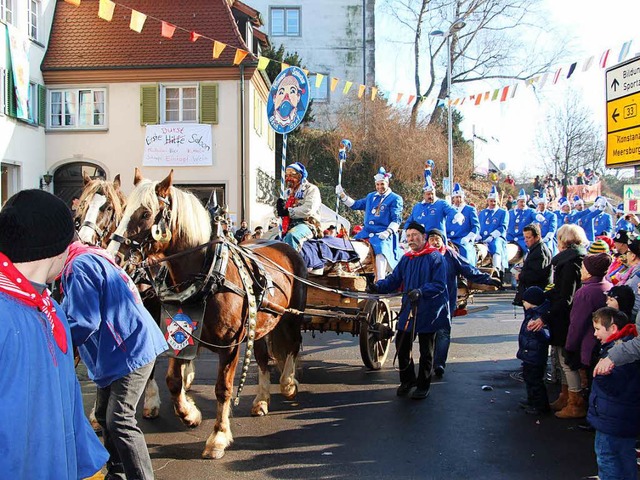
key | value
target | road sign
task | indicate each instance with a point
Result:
(623, 114)
(631, 194)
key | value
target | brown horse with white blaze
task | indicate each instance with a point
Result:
(254, 292)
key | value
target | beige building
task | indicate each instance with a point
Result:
(117, 99)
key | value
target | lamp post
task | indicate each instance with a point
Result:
(456, 26)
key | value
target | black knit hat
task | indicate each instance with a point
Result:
(625, 297)
(534, 296)
(34, 225)
(416, 226)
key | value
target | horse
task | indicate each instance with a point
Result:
(254, 290)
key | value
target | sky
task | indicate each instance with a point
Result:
(512, 128)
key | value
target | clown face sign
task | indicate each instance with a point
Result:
(288, 100)
(179, 331)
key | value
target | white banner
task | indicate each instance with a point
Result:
(19, 49)
(178, 145)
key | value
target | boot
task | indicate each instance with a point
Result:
(576, 408)
(562, 400)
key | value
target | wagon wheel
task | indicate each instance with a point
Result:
(376, 331)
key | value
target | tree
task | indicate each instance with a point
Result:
(492, 44)
(570, 141)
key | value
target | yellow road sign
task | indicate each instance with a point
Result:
(623, 147)
(623, 113)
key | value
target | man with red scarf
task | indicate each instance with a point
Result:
(422, 276)
(44, 432)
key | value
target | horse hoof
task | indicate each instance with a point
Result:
(214, 453)
(260, 409)
(151, 413)
(289, 391)
(192, 418)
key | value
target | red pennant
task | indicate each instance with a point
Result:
(194, 36)
(168, 30)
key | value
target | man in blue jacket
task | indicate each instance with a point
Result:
(519, 217)
(422, 275)
(382, 217)
(493, 227)
(463, 234)
(44, 433)
(563, 214)
(548, 224)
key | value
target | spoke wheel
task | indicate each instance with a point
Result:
(374, 347)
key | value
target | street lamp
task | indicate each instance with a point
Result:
(455, 27)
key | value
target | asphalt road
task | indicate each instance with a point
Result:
(347, 423)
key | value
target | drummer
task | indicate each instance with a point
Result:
(462, 235)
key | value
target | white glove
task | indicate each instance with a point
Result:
(478, 238)
(458, 218)
(403, 237)
(495, 234)
(384, 235)
(469, 237)
(340, 191)
(540, 217)
(548, 237)
(593, 208)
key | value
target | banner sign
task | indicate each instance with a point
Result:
(288, 100)
(19, 50)
(178, 145)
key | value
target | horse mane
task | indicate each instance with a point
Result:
(114, 196)
(190, 223)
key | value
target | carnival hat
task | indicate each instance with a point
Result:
(620, 208)
(522, 195)
(577, 199)
(457, 190)
(299, 168)
(493, 194)
(564, 202)
(428, 185)
(382, 175)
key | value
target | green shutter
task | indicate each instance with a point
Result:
(42, 105)
(149, 105)
(209, 103)
(11, 107)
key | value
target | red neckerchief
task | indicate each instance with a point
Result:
(78, 248)
(17, 286)
(289, 203)
(425, 251)
(628, 329)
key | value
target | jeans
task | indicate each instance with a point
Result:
(616, 457)
(404, 344)
(533, 376)
(116, 413)
(443, 340)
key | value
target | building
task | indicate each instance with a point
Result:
(335, 38)
(24, 31)
(117, 99)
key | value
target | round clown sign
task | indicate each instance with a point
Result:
(288, 100)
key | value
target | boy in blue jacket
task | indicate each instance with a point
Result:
(533, 348)
(614, 403)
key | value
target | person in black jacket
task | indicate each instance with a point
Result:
(566, 280)
(536, 268)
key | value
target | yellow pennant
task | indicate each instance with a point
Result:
(334, 83)
(73, 2)
(306, 72)
(218, 47)
(374, 93)
(137, 21)
(361, 90)
(263, 62)
(284, 66)
(319, 78)
(240, 54)
(105, 11)
(347, 87)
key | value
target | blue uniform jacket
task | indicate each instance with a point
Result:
(379, 212)
(533, 347)
(428, 273)
(548, 228)
(594, 223)
(614, 402)
(44, 432)
(518, 219)
(623, 224)
(495, 221)
(458, 234)
(602, 225)
(114, 333)
(457, 265)
(431, 215)
(562, 218)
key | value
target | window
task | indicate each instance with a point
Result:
(81, 108)
(271, 138)
(3, 91)
(259, 113)
(6, 11)
(320, 94)
(32, 103)
(180, 104)
(34, 19)
(285, 22)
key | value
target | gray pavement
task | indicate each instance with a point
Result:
(348, 423)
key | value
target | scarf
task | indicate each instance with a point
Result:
(425, 251)
(17, 286)
(628, 329)
(285, 220)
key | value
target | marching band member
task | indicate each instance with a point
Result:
(519, 217)
(382, 217)
(594, 220)
(564, 213)
(462, 235)
(548, 224)
(622, 223)
(493, 227)
(578, 208)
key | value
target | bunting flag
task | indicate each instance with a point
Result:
(137, 21)
(284, 66)
(334, 83)
(455, 101)
(105, 10)
(361, 90)
(603, 58)
(347, 87)
(505, 93)
(240, 54)
(513, 90)
(624, 51)
(478, 99)
(374, 93)
(168, 30)
(496, 92)
(73, 2)
(557, 75)
(306, 72)
(486, 96)
(587, 64)
(543, 80)
(411, 99)
(263, 62)
(193, 36)
(572, 68)
(218, 47)
(399, 97)
(319, 78)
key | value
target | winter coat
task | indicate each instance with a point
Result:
(614, 402)
(580, 336)
(536, 270)
(566, 280)
(533, 347)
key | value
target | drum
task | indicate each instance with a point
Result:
(514, 253)
(483, 259)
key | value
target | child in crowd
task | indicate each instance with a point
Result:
(533, 348)
(614, 403)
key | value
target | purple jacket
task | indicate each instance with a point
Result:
(588, 298)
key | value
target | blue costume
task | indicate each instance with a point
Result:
(602, 225)
(562, 216)
(548, 226)
(432, 215)
(622, 223)
(518, 219)
(462, 235)
(493, 228)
